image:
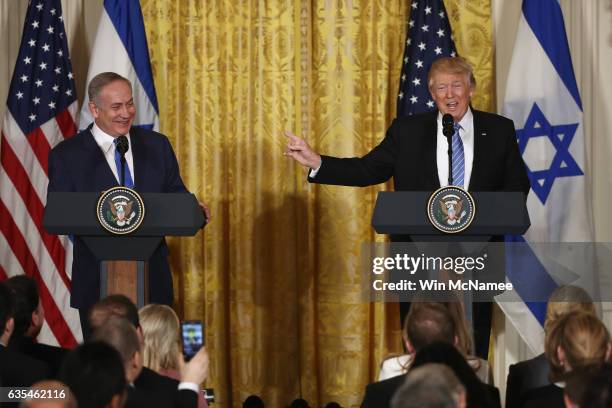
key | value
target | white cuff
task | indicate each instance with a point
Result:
(313, 172)
(188, 386)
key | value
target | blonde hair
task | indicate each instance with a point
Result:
(161, 332)
(582, 337)
(451, 65)
(566, 299)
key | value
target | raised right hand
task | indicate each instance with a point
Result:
(300, 151)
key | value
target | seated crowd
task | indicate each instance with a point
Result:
(133, 359)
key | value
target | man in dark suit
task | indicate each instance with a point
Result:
(29, 317)
(428, 324)
(16, 369)
(88, 162)
(147, 381)
(414, 153)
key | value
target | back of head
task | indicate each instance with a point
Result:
(120, 334)
(113, 305)
(56, 389)
(253, 401)
(25, 302)
(448, 355)
(429, 386)
(161, 331)
(566, 299)
(583, 340)
(427, 323)
(598, 393)
(94, 372)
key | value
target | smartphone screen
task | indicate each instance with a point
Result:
(193, 337)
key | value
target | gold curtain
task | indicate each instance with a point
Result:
(276, 275)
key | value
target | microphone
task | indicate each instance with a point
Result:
(448, 129)
(448, 125)
(122, 146)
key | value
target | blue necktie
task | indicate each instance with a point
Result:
(458, 158)
(128, 176)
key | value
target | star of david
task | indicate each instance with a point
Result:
(562, 165)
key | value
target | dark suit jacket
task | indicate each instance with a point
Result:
(549, 396)
(379, 394)
(408, 154)
(20, 370)
(78, 165)
(165, 389)
(524, 376)
(52, 356)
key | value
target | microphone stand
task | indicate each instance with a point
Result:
(450, 159)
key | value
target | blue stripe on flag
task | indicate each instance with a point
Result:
(546, 21)
(127, 18)
(523, 268)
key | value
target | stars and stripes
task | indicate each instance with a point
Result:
(41, 112)
(429, 38)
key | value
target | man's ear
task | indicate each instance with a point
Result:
(93, 108)
(409, 347)
(608, 351)
(10, 325)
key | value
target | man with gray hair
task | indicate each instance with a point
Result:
(91, 162)
(430, 386)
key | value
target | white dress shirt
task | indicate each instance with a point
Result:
(466, 133)
(107, 144)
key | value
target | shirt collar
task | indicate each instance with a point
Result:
(103, 139)
(465, 122)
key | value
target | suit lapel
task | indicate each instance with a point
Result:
(480, 140)
(103, 174)
(139, 157)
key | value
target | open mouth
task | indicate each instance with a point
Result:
(451, 105)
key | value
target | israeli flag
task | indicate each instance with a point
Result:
(543, 100)
(121, 46)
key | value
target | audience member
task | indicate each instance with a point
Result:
(576, 341)
(598, 393)
(29, 318)
(121, 335)
(161, 352)
(576, 383)
(253, 401)
(534, 373)
(16, 369)
(426, 324)
(185, 392)
(430, 386)
(94, 372)
(479, 394)
(57, 389)
(398, 365)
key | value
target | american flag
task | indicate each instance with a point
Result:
(41, 110)
(429, 37)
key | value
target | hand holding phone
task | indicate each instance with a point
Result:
(192, 333)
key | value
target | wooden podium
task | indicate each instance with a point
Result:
(123, 258)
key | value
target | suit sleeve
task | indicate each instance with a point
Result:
(373, 168)
(515, 177)
(173, 182)
(513, 388)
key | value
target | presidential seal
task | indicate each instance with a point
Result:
(451, 209)
(120, 210)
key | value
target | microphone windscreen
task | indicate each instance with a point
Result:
(123, 145)
(448, 125)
